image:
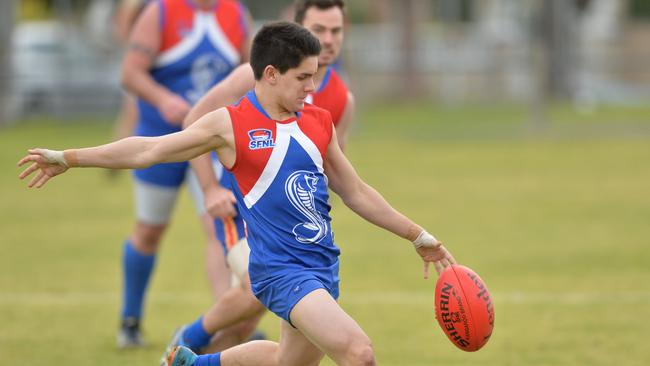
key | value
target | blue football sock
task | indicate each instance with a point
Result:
(195, 337)
(208, 360)
(137, 269)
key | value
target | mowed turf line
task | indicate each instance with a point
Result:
(556, 226)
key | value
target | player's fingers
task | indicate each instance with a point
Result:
(231, 197)
(26, 159)
(438, 266)
(426, 270)
(43, 180)
(36, 179)
(226, 209)
(231, 211)
(451, 258)
(28, 171)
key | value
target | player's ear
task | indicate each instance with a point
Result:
(271, 74)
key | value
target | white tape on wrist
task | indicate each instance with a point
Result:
(55, 157)
(426, 240)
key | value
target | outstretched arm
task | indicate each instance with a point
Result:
(219, 202)
(131, 152)
(369, 204)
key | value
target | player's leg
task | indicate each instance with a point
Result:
(294, 349)
(237, 334)
(218, 273)
(320, 318)
(236, 305)
(215, 261)
(154, 205)
(321, 327)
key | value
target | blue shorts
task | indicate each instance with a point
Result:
(281, 293)
(169, 175)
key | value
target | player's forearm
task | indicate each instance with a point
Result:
(370, 205)
(202, 167)
(128, 153)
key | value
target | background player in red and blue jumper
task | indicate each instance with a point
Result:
(177, 50)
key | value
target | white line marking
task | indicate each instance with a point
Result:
(359, 298)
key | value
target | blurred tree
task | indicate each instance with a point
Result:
(640, 9)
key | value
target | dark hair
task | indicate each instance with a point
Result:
(301, 7)
(283, 45)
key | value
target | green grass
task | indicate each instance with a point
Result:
(555, 220)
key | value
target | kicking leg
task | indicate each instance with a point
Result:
(320, 318)
(294, 349)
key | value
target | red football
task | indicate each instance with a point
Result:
(464, 308)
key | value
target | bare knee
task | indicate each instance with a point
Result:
(361, 353)
(146, 237)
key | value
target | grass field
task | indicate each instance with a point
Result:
(555, 219)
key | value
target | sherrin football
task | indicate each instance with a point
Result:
(464, 308)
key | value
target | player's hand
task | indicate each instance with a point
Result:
(174, 109)
(438, 255)
(49, 163)
(220, 202)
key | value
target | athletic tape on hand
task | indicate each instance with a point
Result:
(55, 157)
(426, 240)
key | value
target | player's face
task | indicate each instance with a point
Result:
(295, 84)
(327, 26)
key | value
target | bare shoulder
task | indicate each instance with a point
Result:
(146, 27)
(218, 122)
(150, 13)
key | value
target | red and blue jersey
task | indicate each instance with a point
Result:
(198, 49)
(282, 191)
(332, 95)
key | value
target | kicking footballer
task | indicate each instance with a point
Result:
(284, 155)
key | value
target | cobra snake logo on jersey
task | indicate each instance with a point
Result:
(300, 188)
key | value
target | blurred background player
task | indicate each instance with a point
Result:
(177, 50)
(325, 19)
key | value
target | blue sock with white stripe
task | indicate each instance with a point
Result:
(208, 360)
(137, 270)
(195, 337)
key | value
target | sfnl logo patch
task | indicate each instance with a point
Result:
(261, 138)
